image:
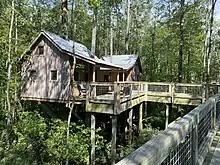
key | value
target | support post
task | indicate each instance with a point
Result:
(203, 93)
(130, 117)
(87, 95)
(117, 76)
(145, 99)
(167, 116)
(145, 91)
(93, 74)
(214, 114)
(116, 98)
(113, 141)
(92, 139)
(140, 117)
(123, 76)
(195, 145)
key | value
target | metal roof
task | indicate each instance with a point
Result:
(124, 61)
(80, 50)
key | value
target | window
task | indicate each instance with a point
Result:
(41, 50)
(106, 78)
(33, 75)
(76, 76)
(121, 76)
(53, 75)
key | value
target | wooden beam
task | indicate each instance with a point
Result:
(214, 115)
(130, 123)
(195, 150)
(93, 73)
(92, 139)
(123, 76)
(117, 98)
(118, 76)
(140, 125)
(166, 116)
(113, 141)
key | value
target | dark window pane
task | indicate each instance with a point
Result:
(53, 75)
(106, 78)
(33, 75)
(76, 76)
(41, 50)
(120, 76)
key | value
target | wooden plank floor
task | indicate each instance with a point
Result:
(213, 156)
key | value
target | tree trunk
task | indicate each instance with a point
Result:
(9, 73)
(208, 46)
(16, 68)
(64, 9)
(127, 27)
(94, 31)
(68, 134)
(111, 33)
(181, 40)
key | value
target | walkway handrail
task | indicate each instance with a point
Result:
(185, 141)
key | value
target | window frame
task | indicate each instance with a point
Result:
(40, 50)
(52, 76)
(33, 75)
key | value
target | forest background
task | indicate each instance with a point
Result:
(177, 40)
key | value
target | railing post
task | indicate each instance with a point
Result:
(93, 91)
(131, 90)
(214, 114)
(195, 145)
(87, 95)
(116, 98)
(172, 90)
(203, 92)
(145, 99)
(145, 91)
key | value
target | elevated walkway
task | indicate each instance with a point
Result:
(189, 141)
(213, 156)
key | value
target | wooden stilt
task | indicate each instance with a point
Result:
(140, 125)
(113, 141)
(130, 126)
(167, 116)
(92, 139)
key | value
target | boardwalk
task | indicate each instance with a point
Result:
(213, 156)
(186, 142)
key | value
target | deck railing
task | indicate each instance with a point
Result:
(109, 90)
(185, 142)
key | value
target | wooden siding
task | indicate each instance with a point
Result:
(43, 86)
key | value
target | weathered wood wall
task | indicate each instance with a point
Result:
(43, 86)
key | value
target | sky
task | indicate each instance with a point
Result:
(217, 10)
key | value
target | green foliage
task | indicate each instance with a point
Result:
(27, 146)
(79, 144)
(145, 135)
(153, 35)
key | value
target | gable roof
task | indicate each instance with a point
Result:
(80, 51)
(125, 61)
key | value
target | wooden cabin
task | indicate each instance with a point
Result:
(131, 68)
(47, 63)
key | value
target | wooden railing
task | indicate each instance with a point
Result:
(184, 142)
(111, 90)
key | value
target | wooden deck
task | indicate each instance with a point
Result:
(114, 98)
